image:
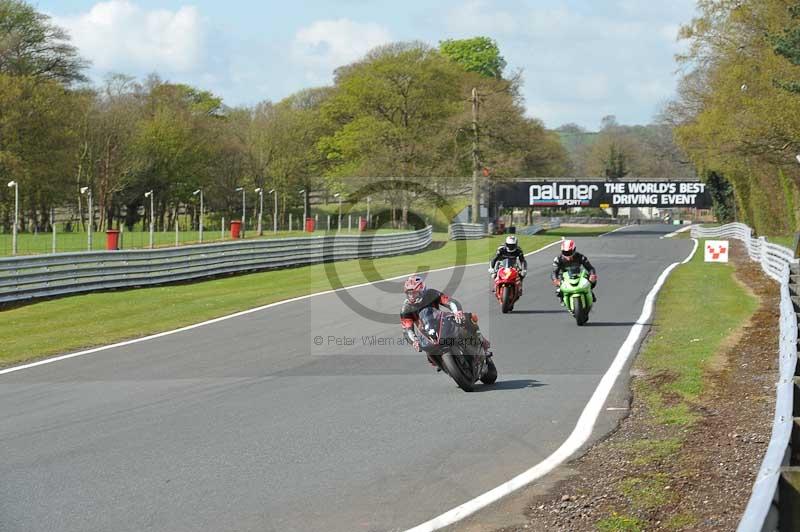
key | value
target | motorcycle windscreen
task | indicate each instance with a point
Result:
(575, 271)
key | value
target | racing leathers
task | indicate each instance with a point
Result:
(561, 264)
(409, 318)
(516, 255)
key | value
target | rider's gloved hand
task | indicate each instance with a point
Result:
(556, 282)
(593, 278)
(459, 315)
(416, 346)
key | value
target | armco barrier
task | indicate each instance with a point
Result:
(24, 278)
(542, 225)
(773, 501)
(460, 231)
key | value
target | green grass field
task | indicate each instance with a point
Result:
(580, 231)
(71, 323)
(34, 244)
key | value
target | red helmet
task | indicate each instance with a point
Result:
(567, 248)
(414, 288)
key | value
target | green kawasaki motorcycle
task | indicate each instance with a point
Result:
(577, 292)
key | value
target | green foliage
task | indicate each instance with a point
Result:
(31, 46)
(734, 113)
(402, 111)
(787, 44)
(478, 54)
(721, 192)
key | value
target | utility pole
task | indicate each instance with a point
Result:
(476, 164)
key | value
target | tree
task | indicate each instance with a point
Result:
(721, 192)
(734, 114)
(615, 164)
(30, 45)
(37, 142)
(478, 54)
(787, 44)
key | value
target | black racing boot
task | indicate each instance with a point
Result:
(433, 363)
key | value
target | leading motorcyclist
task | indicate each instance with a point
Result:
(418, 297)
(569, 255)
(509, 250)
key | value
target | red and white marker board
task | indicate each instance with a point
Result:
(717, 250)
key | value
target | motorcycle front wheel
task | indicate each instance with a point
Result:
(507, 303)
(579, 311)
(454, 369)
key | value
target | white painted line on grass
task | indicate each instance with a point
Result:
(580, 434)
(230, 316)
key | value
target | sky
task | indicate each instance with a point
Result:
(580, 60)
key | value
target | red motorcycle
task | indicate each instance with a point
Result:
(507, 286)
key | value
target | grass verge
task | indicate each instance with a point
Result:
(42, 243)
(700, 307)
(580, 231)
(782, 240)
(71, 323)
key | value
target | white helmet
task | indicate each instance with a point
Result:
(511, 243)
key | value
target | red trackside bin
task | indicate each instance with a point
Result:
(236, 228)
(112, 239)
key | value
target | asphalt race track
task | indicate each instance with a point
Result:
(248, 425)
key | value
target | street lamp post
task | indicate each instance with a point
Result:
(244, 208)
(339, 219)
(260, 209)
(16, 217)
(149, 194)
(304, 192)
(195, 193)
(88, 192)
(274, 212)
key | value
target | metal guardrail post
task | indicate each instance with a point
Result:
(789, 497)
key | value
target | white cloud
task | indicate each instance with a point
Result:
(476, 17)
(120, 35)
(583, 60)
(328, 44)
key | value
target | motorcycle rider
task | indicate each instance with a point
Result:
(509, 250)
(418, 297)
(569, 255)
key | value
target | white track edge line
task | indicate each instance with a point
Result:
(679, 231)
(230, 316)
(613, 231)
(580, 434)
